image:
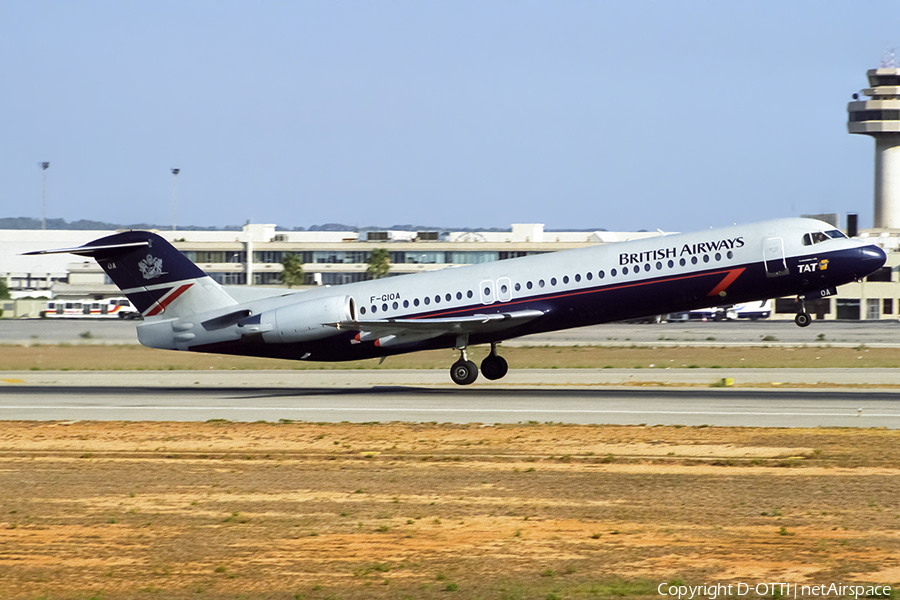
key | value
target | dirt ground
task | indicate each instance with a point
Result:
(401, 511)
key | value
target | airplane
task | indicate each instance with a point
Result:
(458, 307)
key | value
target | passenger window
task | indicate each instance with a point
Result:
(396, 306)
(437, 299)
(659, 266)
(406, 304)
(541, 283)
(528, 285)
(612, 273)
(448, 297)
(459, 295)
(362, 310)
(553, 281)
(577, 278)
(624, 271)
(427, 300)
(469, 294)
(566, 279)
(693, 260)
(589, 275)
(518, 286)
(415, 301)
(681, 262)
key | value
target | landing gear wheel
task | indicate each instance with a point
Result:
(803, 319)
(494, 367)
(463, 372)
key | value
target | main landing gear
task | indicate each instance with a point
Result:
(464, 371)
(494, 366)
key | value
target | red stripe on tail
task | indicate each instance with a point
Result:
(166, 300)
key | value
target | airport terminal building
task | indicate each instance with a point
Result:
(254, 256)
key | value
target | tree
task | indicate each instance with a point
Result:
(379, 263)
(4, 289)
(291, 270)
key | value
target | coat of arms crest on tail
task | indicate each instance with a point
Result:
(151, 267)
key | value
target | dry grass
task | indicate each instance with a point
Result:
(395, 511)
(127, 357)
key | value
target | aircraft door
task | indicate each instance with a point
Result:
(773, 255)
(487, 292)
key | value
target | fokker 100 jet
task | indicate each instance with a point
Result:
(184, 309)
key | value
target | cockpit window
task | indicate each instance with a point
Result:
(817, 237)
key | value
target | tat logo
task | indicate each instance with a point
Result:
(151, 267)
(812, 267)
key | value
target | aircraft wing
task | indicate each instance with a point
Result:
(391, 332)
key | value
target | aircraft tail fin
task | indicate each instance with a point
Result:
(155, 276)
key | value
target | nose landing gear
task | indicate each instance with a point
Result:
(803, 318)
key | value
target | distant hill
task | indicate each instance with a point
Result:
(84, 224)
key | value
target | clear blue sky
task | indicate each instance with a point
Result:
(619, 115)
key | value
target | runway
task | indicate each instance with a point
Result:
(579, 396)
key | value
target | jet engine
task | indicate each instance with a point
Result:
(301, 322)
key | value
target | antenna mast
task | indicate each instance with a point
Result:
(175, 173)
(44, 166)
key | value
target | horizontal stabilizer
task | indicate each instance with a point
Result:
(92, 250)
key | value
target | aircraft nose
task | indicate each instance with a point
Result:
(869, 260)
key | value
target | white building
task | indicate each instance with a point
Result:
(253, 256)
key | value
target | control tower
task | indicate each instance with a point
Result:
(880, 118)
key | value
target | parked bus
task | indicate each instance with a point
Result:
(82, 309)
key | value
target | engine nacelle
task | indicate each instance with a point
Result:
(305, 321)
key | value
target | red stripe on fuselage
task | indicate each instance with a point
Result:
(593, 290)
(729, 279)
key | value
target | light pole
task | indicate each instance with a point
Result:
(44, 166)
(175, 173)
